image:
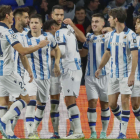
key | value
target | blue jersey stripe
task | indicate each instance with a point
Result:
(94, 58)
(116, 57)
(1, 67)
(18, 66)
(40, 61)
(32, 58)
(102, 53)
(14, 55)
(77, 63)
(47, 60)
(125, 62)
(88, 64)
(138, 76)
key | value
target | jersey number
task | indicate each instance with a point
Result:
(1, 53)
(20, 83)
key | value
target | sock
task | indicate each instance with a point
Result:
(117, 112)
(15, 110)
(105, 116)
(75, 116)
(92, 117)
(71, 123)
(14, 122)
(38, 116)
(124, 120)
(55, 114)
(9, 130)
(30, 115)
(137, 113)
(3, 110)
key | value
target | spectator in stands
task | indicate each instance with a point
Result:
(92, 7)
(129, 9)
(82, 22)
(69, 10)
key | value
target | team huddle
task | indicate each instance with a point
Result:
(40, 60)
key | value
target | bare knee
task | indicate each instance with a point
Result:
(92, 103)
(25, 98)
(55, 97)
(70, 100)
(135, 103)
(125, 101)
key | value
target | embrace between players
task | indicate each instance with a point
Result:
(50, 60)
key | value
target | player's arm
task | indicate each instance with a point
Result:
(103, 62)
(83, 52)
(26, 65)
(79, 34)
(27, 50)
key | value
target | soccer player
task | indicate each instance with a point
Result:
(95, 47)
(40, 62)
(10, 82)
(71, 75)
(135, 97)
(123, 50)
(21, 22)
(58, 16)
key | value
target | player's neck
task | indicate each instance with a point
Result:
(97, 33)
(119, 27)
(7, 23)
(19, 28)
(37, 34)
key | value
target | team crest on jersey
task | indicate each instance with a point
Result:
(125, 37)
(58, 38)
(13, 36)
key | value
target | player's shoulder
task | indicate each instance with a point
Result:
(26, 30)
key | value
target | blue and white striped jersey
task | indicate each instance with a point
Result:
(120, 46)
(96, 46)
(19, 68)
(40, 60)
(7, 40)
(65, 38)
(137, 76)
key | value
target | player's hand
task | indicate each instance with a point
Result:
(131, 80)
(43, 43)
(68, 21)
(106, 29)
(31, 77)
(56, 70)
(97, 73)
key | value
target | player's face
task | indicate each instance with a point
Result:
(112, 21)
(80, 15)
(25, 19)
(97, 24)
(137, 26)
(10, 18)
(58, 15)
(35, 25)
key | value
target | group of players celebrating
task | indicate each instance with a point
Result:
(39, 60)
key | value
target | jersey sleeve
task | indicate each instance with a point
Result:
(132, 41)
(110, 37)
(86, 44)
(11, 37)
(53, 43)
(60, 38)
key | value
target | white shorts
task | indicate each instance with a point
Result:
(39, 88)
(12, 85)
(136, 89)
(55, 85)
(119, 85)
(97, 87)
(71, 82)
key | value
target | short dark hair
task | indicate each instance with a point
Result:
(37, 16)
(57, 7)
(32, 11)
(20, 11)
(80, 8)
(118, 13)
(98, 15)
(47, 25)
(5, 9)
